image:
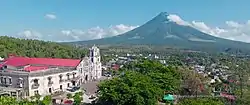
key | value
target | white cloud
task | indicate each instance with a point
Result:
(233, 24)
(177, 19)
(77, 34)
(29, 34)
(232, 30)
(50, 16)
(95, 32)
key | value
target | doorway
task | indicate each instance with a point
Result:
(86, 78)
(74, 83)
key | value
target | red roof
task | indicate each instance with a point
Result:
(115, 67)
(231, 97)
(35, 68)
(23, 61)
(68, 102)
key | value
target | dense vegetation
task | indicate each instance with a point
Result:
(36, 100)
(145, 83)
(6, 100)
(36, 48)
(201, 101)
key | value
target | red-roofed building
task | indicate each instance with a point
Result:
(30, 76)
(228, 96)
(115, 67)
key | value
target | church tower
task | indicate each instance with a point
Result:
(95, 59)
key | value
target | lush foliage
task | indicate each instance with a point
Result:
(47, 100)
(201, 101)
(35, 48)
(6, 100)
(144, 84)
(78, 98)
(130, 89)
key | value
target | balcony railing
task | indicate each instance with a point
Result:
(35, 86)
(61, 80)
(73, 79)
(6, 84)
(76, 78)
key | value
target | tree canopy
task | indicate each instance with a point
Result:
(144, 84)
(7, 100)
(36, 48)
(201, 101)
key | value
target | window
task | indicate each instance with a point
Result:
(27, 94)
(10, 81)
(74, 74)
(49, 78)
(61, 87)
(36, 92)
(68, 76)
(81, 70)
(50, 91)
(68, 84)
(86, 78)
(5, 80)
(36, 81)
(60, 76)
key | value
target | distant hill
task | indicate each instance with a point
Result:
(161, 31)
(36, 48)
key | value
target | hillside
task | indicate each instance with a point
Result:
(36, 48)
(162, 31)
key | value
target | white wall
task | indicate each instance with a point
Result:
(43, 89)
(96, 69)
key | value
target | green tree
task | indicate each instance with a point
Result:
(132, 88)
(36, 48)
(201, 101)
(26, 102)
(6, 100)
(78, 98)
(47, 100)
(69, 96)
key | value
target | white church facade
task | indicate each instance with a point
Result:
(91, 65)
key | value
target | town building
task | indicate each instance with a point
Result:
(25, 77)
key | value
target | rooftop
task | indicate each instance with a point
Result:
(34, 64)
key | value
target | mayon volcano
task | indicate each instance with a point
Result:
(162, 31)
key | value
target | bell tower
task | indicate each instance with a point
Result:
(95, 59)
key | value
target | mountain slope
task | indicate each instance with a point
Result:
(161, 31)
(36, 48)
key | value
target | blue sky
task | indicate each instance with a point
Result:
(91, 19)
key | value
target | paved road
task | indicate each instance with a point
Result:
(91, 88)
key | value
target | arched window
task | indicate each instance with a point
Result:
(60, 76)
(35, 81)
(49, 78)
(74, 74)
(68, 76)
(10, 80)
